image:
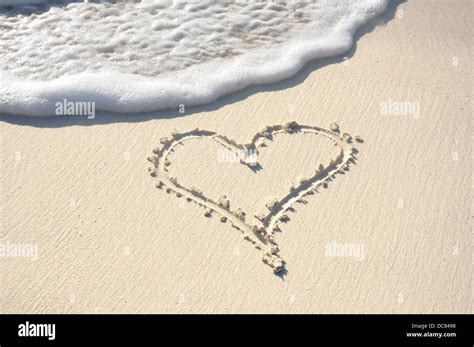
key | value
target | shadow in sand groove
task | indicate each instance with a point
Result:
(106, 118)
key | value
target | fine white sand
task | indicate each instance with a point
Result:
(110, 241)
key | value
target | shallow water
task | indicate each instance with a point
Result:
(154, 54)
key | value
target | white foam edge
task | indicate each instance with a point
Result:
(117, 92)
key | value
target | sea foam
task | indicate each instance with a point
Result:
(149, 55)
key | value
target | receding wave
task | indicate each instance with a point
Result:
(149, 55)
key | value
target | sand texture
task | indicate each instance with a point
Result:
(380, 223)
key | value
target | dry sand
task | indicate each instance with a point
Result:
(109, 241)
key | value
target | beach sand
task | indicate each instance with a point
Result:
(110, 242)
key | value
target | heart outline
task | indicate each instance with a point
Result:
(261, 237)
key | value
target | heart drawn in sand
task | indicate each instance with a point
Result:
(261, 235)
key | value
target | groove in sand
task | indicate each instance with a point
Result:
(261, 236)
